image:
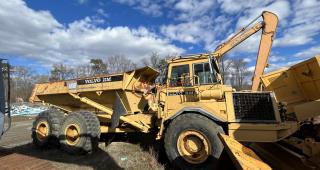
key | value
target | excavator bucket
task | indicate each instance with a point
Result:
(241, 156)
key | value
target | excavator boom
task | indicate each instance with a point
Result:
(236, 39)
(268, 26)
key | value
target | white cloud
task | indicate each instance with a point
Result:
(201, 31)
(251, 45)
(190, 32)
(251, 68)
(148, 7)
(298, 20)
(281, 8)
(38, 35)
(196, 23)
(275, 58)
(235, 6)
(247, 60)
(102, 12)
(195, 20)
(199, 23)
(304, 25)
(187, 10)
(310, 52)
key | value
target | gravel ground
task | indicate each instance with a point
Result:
(117, 155)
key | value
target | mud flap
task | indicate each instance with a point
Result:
(118, 110)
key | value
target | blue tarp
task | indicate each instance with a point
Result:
(26, 109)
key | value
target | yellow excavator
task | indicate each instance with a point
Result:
(268, 27)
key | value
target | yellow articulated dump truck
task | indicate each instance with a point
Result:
(187, 111)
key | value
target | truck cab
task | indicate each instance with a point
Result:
(194, 85)
(193, 82)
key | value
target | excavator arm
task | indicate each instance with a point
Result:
(268, 26)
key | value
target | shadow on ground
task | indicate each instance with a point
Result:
(99, 160)
(133, 151)
(129, 151)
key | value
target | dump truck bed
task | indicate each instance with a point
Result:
(298, 86)
(100, 89)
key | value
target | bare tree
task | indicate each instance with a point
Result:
(83, 71)
(22, 82)
(225, 64)
(61, 72)
(144, 62)
(41, 78)
(158, 63)
(98, 66)
(119, 63)
(239, 73)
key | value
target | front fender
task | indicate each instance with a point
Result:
(198, 110)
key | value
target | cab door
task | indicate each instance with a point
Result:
(180, 87)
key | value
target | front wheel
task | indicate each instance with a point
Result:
(192, 142)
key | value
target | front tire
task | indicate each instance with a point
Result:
(80, 133)
(191, 142)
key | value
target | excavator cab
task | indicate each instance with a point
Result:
(4, 95)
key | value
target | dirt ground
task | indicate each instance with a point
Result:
(117, 155)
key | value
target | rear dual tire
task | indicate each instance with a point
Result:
(46, 127)
(80, 133)
(76, 133)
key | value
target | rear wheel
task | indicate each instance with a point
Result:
(46, 126)
(80, 133)
(191, 142)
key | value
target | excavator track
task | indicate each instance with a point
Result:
(23, 162)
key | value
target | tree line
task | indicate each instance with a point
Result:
(234, 71)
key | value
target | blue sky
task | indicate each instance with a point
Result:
(38, 34)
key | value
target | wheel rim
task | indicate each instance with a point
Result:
(72, 134)
(193, 146)
(42, 130)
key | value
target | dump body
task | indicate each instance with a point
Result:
(298, 87)
(101, 89)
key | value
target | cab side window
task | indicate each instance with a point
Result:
(202, 74)
(180, 76)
